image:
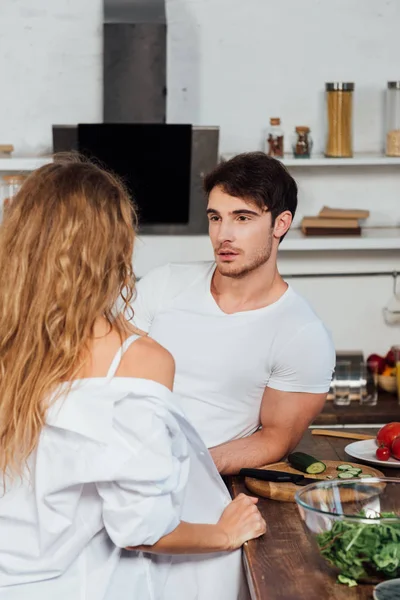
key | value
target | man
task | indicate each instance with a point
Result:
(253, 361)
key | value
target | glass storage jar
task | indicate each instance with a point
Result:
(274, 141)
(10, 185)
(302, 144)
(339, 101)
(393, 118)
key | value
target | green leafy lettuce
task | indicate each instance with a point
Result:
(362, 550)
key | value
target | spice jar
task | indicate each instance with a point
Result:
(303, 143)
(10, 185)
(339, 97)
(274, 142)
(393, 118)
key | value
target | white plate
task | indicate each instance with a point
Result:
(365, 450)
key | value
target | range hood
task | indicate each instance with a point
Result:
(135, 61)
(134, 95)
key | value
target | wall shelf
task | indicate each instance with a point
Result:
(30, 163)
(379, 238)
(359, 160)
(372, 238)
(21, 164)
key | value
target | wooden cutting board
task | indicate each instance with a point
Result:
(285, 492)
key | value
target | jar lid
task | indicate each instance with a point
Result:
(302, 129)
(275, 121)
(338, 86)
(393, 85)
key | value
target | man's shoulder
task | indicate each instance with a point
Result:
(299, 316)
(303, 339)
(173, 278)
(190, 270)
(176, 271)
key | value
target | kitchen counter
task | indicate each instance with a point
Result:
(385, 411)
(282, 565)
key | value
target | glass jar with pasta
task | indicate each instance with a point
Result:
(393, 118)
(339, 100)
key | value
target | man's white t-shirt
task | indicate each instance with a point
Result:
(223, 361)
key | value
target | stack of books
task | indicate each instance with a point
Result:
(334, 221)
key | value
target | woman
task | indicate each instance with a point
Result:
(94, 455)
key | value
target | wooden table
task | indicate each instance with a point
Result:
(387, 410)
(281, 565)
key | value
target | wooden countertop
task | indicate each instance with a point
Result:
(387, 409)
(282, 565)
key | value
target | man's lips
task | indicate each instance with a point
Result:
(226, 254)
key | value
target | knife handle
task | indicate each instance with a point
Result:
(277, 476)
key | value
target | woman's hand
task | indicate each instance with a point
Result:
(241, 521)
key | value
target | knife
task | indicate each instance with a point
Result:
(277, 476)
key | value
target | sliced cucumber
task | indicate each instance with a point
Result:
(353, 471)
(344, 467)
(365, 475)
(306, 463)
(346, 475)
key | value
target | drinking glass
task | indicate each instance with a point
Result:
(341, 383)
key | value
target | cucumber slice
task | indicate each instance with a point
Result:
(346, 475)
(344, 467)
(365, 475)
(353, 471)
(306, 463)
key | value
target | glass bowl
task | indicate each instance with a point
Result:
(354, 526)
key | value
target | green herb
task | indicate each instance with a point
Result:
(346, 580)
(362, 550)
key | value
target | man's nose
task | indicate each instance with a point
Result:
(225, 232)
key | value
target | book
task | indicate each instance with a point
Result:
(329, 223)
(325, 226)
(330, 231)
(343, 213)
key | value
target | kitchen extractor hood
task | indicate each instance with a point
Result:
(135, 61)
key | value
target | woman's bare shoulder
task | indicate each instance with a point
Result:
(146, 359)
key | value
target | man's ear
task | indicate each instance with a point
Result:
(282, 223)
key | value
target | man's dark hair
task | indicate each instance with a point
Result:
(257, 178)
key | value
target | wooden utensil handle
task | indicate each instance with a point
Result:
(342, 434)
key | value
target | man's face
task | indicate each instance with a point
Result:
(240, 232)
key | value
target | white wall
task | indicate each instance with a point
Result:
(51, 69)
(233, 63)
(236, 63)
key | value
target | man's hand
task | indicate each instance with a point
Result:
(284, 418)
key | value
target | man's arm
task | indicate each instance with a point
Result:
(284, 418)
(294, 396)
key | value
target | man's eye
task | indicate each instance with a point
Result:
(214, 218)
(243, 218)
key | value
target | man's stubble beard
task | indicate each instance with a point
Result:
(260, 258)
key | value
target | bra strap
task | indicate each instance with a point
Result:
(120, 352)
